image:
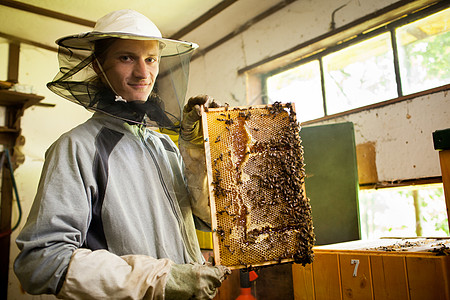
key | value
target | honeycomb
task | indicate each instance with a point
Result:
(260, 213)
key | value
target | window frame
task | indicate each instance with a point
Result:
(363, 35)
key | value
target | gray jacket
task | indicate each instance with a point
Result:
(107, 185)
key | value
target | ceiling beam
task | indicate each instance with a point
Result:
(46, 12)
(16, 39)
(202, 19)
(244, 27)
(13, 62)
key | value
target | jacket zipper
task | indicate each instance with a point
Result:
(163, 184)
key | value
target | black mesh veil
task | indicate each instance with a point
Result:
(78, 82)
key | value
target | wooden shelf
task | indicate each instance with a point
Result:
(14, 103)
(7, 129)
(11, 98)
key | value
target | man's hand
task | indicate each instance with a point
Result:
(194, 281)
(191, 127)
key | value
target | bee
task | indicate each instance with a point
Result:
(229, 250)
(220, 232)
(242, 263)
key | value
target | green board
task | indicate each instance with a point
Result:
(332, 181)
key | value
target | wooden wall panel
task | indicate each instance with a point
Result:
(302, 278)
(389, 277)
(327, 276)
(356, 276)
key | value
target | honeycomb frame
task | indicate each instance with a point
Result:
(259, 210)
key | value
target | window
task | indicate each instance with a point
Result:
(360, 74)
(423, 212)
(404, 57)
(302, 86)
(424, 52)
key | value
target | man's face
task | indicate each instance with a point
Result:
(131, 67)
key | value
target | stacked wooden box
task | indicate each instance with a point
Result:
(416, 269)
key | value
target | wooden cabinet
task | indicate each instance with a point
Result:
(386, 269)
(13, 104)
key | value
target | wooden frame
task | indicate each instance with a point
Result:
(254, 222)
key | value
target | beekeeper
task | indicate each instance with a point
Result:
(115, 212)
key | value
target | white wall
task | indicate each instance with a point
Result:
(3, 59)
(402, 134)
(404, 148)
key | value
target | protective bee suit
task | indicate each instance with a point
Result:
(115, 212)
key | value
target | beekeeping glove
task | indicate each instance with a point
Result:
(191, 127)
(194, 281)
(100, 274)
(193, 152)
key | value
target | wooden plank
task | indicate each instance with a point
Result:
(326, 275)
(302, 278)
(20, 40)
(13, 62)
(5, 228)
(389, 278)
(11, 98)
(274, 282)
(209, 166)
(46, 12)
(428, 277)
(446, 275)
(356, 276)
(444, 158)
(6, 200)
(230, 287)
(202, 19)
(366, 159)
